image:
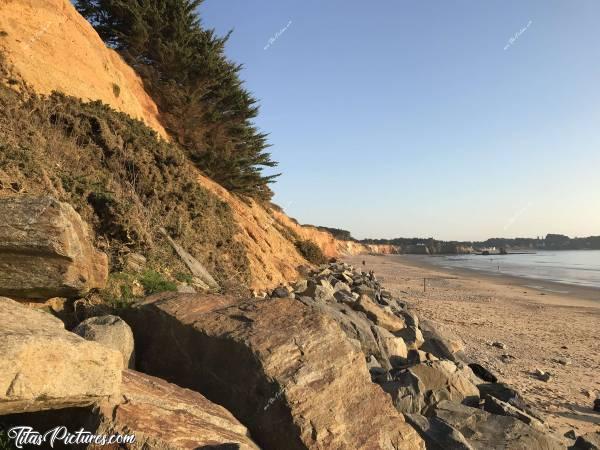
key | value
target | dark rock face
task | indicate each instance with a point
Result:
(495, 406)
(285, 370)
(407, 392)
(280, 292)
(438, 434)
(507, 394)
(491, 431)
(590, 441)
(483, 373)
(419, 388)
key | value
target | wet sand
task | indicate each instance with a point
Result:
(538, 327)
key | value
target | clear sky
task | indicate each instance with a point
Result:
(422, 118)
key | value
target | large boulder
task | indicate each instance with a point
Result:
(440, 341)
(165, 416)
(43, 366)
(112, 332)
(445, 380)
(393, 346)
(407, 392)
(46, 250)
(318, 289)
(486, 431)
(419, 388)
(286, 371)
(354, 324)
(379, 314)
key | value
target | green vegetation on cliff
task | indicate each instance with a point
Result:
(123, 180)
(311, 251)
(200, 95)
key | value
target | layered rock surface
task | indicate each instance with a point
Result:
(285, 370)
(46, 250)
(43, 366)
(162, 415)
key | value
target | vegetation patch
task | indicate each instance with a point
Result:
(116, 90)
(154, 282)
(311, 251)
(123, 180)
(199, 92)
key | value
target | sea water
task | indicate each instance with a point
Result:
(574, 267)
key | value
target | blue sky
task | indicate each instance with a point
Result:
(410, 118)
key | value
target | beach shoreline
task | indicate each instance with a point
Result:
(557, 292)
(534, 329)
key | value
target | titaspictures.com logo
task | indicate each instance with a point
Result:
(26, 436)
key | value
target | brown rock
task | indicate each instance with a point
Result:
(412, 336)
(444, 380)
(46, 251)
(135, 262)
(356, 326)
(286, 371)
(43, 366)
(393, 346)
(440, 341)
(378, 314)
(164, 416)
(419, 388)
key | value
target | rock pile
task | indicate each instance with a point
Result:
(451, 401)
(285, 370)
(332, 362)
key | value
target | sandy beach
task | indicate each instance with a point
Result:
(537, 327)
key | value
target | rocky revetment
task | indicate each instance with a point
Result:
(330, 361)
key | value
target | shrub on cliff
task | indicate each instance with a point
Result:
(311, 251)
(123, 180)
(198, 90)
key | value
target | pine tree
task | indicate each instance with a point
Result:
(199, 92)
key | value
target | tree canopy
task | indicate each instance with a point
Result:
(199, 92)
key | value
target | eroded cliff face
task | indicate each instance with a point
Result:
(272, 256)
(52, 47)
(331, 246)
(49, 46)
